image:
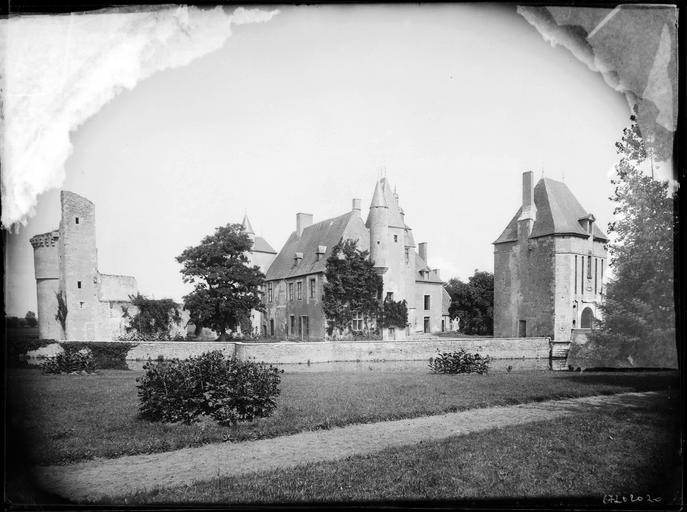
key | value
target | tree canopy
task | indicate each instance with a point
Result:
(154, 317)
(473, 303)
(352, 285)
(639, 311)
(226, 287)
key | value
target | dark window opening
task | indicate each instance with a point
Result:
(596, 272)
(427, 302)
(575, 274)
(76, 220)
(312, 288)
(395, 238)
(78, 284)
(389, 295)
(271, 326)
(589, 267)
(522, 328)
(426, 325)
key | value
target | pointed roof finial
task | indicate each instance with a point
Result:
(246, 225)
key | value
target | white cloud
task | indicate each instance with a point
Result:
(60, 70)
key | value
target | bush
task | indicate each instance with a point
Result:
(70, 361)
(226, 389)
(459, 362)
(107, 354)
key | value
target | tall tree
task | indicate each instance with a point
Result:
(352, 285)
(31, 320)
(473, 303)
(227, 288)
(639, 311)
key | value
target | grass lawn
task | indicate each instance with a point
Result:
(66, 418)
(573, 461)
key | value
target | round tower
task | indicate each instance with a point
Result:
(46, 267)
(378, 224)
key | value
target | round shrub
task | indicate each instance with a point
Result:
(225, 389)
(459, 362)
(71, 360)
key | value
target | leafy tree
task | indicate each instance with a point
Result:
(473, 303)
(31, 320)
(227, 288)
(639, 310)
(352, 285)
(394, 313)
(154, 317)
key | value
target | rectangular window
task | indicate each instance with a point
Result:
(407, 255)
(596, 272)
(313, 285)
(76, 220)
(427, 304)
(270, 292)
(389, 295)
(291, 291)
(602, 276)
(589, 267)
(522, 328)
(293, 325)
(358, 322)
(575, 273)
(78, 284)
(582, 274)
(395, 238)
(271, 326)
(299, 290)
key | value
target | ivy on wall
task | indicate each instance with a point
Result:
(62, 311)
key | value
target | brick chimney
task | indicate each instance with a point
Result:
(303, 220)
(422, 251)
(356, 205)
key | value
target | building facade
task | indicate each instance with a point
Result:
(66, 268)
(549, 265)
(294, 284)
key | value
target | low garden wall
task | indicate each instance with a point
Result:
(286, 352)
(145, 350)
(330, 351)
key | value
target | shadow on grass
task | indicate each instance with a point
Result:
(668, 380)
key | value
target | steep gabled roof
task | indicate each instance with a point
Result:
(558, 213)
(326, 233)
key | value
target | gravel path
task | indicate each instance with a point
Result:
(113, 478)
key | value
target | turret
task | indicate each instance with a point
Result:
(378, 224)
(248, 228)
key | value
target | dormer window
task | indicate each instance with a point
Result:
(321, 249)
(297, 258)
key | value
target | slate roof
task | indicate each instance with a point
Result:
(261, 245)
(395, 217)
(327, 233)
(421, 265)
(558, 213)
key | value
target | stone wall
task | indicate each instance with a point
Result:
(177, 349)
(321, 352)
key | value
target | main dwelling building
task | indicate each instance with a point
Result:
(294, 282)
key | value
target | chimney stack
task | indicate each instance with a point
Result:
(528, 208)
(422, 250)
(303, 220)
(356, 205)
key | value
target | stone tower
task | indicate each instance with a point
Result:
(47, 268)
(378, 224)
(549, 265)
(79, 265)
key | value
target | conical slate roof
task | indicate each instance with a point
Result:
(247, 226)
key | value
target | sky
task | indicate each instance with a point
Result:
(299, 114)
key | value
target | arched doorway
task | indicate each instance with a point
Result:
(587, 318)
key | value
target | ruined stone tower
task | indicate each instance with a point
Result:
(66, 267)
